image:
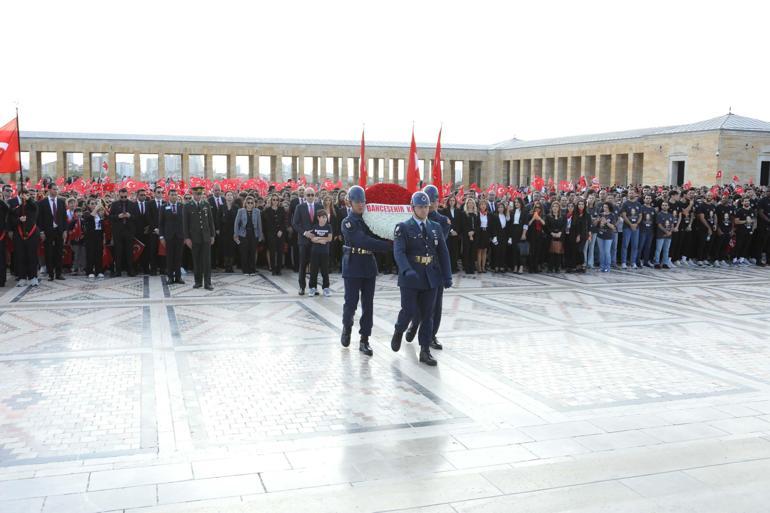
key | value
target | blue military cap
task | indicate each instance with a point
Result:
(420, 199)
(356, 194)
(432, 192)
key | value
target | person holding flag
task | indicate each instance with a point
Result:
(26, 239)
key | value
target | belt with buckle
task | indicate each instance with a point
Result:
(358, 251)
(425, 260)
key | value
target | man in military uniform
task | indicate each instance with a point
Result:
(199, 234)
(359, 270)
(446, 226)
(422, 256)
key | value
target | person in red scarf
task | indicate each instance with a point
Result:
(26, 239)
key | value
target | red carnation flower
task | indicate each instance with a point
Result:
(388, 194)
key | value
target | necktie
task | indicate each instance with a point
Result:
(141, 207)
(53, 208)
(312, 212)
(424, 230)
(174, 207)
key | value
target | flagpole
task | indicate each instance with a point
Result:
(18, 143)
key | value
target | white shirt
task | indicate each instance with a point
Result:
(517, 216)
(483, 220)
(503, 220)
(97, 222)
(52, 203)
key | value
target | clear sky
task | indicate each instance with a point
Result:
(488, 70)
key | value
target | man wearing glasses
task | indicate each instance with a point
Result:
(302, 221)
(199, 235)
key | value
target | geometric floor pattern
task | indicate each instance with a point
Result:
(629, 391)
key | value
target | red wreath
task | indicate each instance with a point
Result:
(388, 194)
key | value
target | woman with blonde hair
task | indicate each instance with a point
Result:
(482, 243)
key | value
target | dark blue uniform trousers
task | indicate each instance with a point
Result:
(417, 304)
(365, 288)
(436, 311)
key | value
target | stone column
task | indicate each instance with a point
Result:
(324, 171)
(294, 168)
(526, 172)
(276, 163)
(356, 169)
(300, 167)
(112, 172)
(34, 165)
(314, 174)
(537, 168)
(61, 164)
(466, 173)
(561, 169)
(336, 169)
(575, 168)
(230, 165)
(375, 170)
(549, 165)
(344, 176)
(253, 166)
(619, 171)
(394, 170)
(161, 166)
(137, 166)
(185, 167)
(605, 170)
(87, 173)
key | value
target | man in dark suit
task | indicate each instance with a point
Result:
(302, 221)
(217, 202)
(157, 262)
(171, 233)
(199, 236)
(52, 223)
(122, 214)
(143, 223)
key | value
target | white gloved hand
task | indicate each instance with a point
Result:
(510, 241)
(494, 240)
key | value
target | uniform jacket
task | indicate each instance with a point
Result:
(408, 242)
(357, 235)
(198, 222)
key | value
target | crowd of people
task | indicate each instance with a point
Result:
(45, 231)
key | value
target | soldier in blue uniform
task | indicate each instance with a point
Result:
(446, 226)
(359, 270)
(422, 256)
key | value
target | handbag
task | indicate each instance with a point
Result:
(523, 247)
(557, 247)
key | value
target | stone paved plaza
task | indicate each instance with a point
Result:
(635, 391)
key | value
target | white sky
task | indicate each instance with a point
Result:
(488, 70)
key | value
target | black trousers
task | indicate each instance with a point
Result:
(742, 243)
(319, 261)
(122, 244)
(174, 249)
(248, 249)
(705, 244)
(157, 262)
(453, 244)
(146, 257)
(276, 254)
(303, 260)
(201, 259)
(94, 251)
(3, 263)
(469, 256)
(54, 249)
(762, 237)
(25, 252)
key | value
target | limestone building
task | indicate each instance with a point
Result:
(665, 155)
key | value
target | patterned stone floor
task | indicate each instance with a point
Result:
(630, 391)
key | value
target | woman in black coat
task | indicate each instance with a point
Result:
(455, 216)
(519, 228)
(274, 229)
(536, 235)
(576, 236)
(470, 231)
(227, 221)
(555, 227)
(500, 238)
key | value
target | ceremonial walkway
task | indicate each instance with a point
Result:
(633, 391)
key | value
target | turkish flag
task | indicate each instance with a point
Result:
(437, 168)
(412, 171)
(719, 174)
(362, 175)
(736, 179)
(9, 147)
(137, 248)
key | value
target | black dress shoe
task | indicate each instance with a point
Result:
(364, 347)
(427, 359)
(197, 286)
(345, 337)
(209, 287)
(59, 277)
(411, 331)
(301, 292)
(434, 344)
(132, 274)
(395, 342)
(179, 281)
